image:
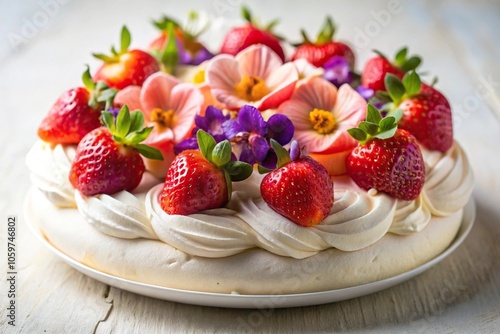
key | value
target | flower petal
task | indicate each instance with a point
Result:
(231, 128)
(258, 61)
(187, 144)
(186, 101)
(259, 147)
(251, 120)
(222, 75)
(280, 128)
(350, 107)
(156, 90)
(306, 69)
(129, 96)
(298, 113)
(247, 155)
(281, 82)
(318, 93)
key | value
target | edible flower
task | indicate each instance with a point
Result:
(256, 76)
(337, 71)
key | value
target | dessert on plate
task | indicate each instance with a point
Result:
(246, 169)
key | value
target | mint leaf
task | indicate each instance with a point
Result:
(149, 152)
(394, 87)
(206, 143)
(281, 153)
(123, 122)
(239, 170)
(370, 128)
(358, 134)
(221, 153)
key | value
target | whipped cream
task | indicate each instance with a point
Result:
(356, 220)
(49, 166)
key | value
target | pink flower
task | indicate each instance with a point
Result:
(322, 115)
(256, 76)
(168, 105)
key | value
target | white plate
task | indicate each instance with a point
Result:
(263, 301)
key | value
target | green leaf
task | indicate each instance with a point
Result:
(281, 153)
(383, 96)
(412, 83)
(108, 120)
(369, 128)
(396, 113)
(245, 13)
(358, 134)
(395, 87)
(263, 170)
(400, 58)
(206, 144)
(229, 184)
(169, 55)
(102, 57)
(136, 121)
(387, 124)
(87, 80)
(373, 115)
(123, 122)
(221, 153)
(107, 96)
(327, 32)
(411, 64)
(238, 170)
(148, 151)
(125, 39)
(387, 134)
(136, 137)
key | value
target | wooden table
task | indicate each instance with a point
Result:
(460, 43)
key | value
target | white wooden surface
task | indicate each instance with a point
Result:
(460, 43)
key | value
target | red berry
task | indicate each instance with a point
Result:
(193, 184)
(374, 72)
(428, 117)
(70, 118)
(318, 54)
(394, 165)
(239, 38)
(102, 166)
(301, 190)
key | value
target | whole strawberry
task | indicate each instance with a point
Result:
(426, 112)
(300, 189)
(239, 38)
(108, 159)
(387, 158)
(376, 68)
(324, 48)
(76, 112)
(199, 180)
(125, 67)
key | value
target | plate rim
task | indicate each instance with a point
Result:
(259, 301)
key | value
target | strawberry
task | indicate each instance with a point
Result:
(126, 67)
(300, 189)
(387, 158)
(239, 38)
(108, 159)
(377, 67)
(426, 112)
(324, 48)
(200, 180)
(76, 112)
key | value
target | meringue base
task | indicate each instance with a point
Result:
(254, 271)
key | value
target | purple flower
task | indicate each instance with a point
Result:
(192, 54)
(211, 123)
(250, 135)
(365, 92)
(337, 71)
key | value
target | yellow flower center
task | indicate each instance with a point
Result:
(323, 121)
(199, 77)
(251, 88)
(164, 118)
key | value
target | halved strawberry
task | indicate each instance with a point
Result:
(125, 67)
(387, 159)
(324, 48)
(239, 38)
(426, 112)
(199, 180)
(108, 159)
(376, 68)
(76, 112)
(300, 189)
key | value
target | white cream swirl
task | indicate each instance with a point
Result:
(49, 166)
(122, 215)
(356, 220)
(410, 216)
(449, 180)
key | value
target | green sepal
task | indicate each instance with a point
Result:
(164, 22)
(104, 57)
(326, 33)
(396, 113)
(238, 170)
(125, 39)
(246, 14)
(395, 87)
(412, 83)
(281, 153)
(221, 153)
(411, 64)
(129, 130)
(375, 126)
(400, 57)
(263, 170)
(169, 56)
(229, 184)
(88, 82)
(206, 143)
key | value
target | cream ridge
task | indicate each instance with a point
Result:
(357, 219)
